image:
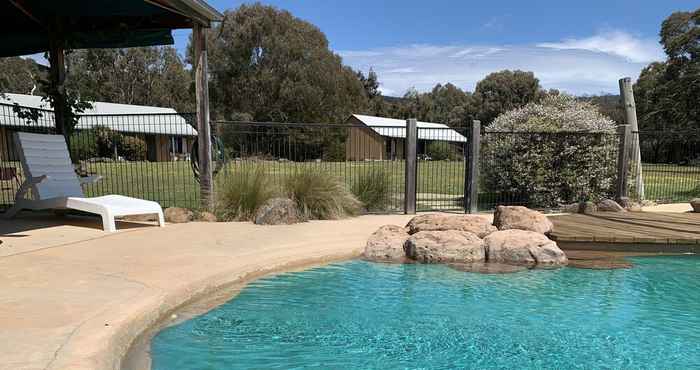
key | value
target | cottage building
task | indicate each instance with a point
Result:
(167, 134)
(379, 138)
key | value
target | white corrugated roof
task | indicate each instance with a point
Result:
(391, 127)
(119, 117)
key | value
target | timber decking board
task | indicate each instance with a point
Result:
(628, 227)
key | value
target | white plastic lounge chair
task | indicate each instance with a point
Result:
(50, 175)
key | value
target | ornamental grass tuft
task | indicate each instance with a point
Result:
(320, 196)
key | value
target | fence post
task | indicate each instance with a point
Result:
(623, 160)
(627, 95)
(206, 186)
(411, 166)
(471, 173)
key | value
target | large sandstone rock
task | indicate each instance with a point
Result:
(177, 215)
(478, 225)
(695, 203)
(445, 247)
(277, 211)
(521, 247)
(387, 244)
(609, 205)
(206, 217)
(521, 218)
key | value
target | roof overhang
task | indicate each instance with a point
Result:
(28, 25)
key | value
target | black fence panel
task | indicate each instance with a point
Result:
(671, 165)
(441, 169)
(140, 155)
(369, 161)
(149, 156)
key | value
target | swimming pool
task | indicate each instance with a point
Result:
(374, 316)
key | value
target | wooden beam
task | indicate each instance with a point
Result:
(471, 175)
(23, 8)
(627, 95)
(411, 166)
(57, 74)
(623, 160)
(199, 39)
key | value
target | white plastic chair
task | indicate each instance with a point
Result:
(54, 184)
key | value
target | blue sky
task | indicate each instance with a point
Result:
(582, 47)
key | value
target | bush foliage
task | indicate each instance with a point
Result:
(441, 151)
(101, 142)
(555, 152)
(373, 189)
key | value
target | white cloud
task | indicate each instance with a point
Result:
(615, 43)
(577, 70)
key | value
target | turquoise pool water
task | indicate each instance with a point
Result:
(360, 315)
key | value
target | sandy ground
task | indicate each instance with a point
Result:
(73, 297)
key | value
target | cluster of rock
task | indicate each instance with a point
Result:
(605, 205)
(517, 237)
(695, 203)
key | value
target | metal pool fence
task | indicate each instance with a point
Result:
(391, 168)
(671, 165)
(139, 155)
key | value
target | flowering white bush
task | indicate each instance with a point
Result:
(557, 151)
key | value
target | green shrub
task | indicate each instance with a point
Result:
(132, 148)
(373, 189)
(239, 195)
(83, 145)
(441, 151)
(551, 153)
(106, 140)
(320, 196)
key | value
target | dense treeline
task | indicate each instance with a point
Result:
(668, 93)
(267, 65)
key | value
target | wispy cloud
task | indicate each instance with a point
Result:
(588, 68)
(614, 42)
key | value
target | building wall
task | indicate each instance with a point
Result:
(162, 148)
(5, 144)
(363, 143)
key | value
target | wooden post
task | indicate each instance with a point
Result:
(411, 166)
(623, 160)
(206, 185)
(471, 173)
(57, 74)
(627, 95)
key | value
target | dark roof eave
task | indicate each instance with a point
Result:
(198, 10)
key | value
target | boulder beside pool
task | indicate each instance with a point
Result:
(521, 247)
(521, 218)
(277, 211)
(476, 224)
(609, 205)
(449, 246)
(387, 244)
(178, 215)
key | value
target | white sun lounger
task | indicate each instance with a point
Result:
(54, 184)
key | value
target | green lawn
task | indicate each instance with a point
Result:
(440, 183)
(670, 183)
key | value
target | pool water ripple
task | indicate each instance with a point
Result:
(360, 315)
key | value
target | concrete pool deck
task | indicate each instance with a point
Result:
(73, 297)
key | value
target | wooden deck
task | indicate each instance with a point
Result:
(630, 231)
